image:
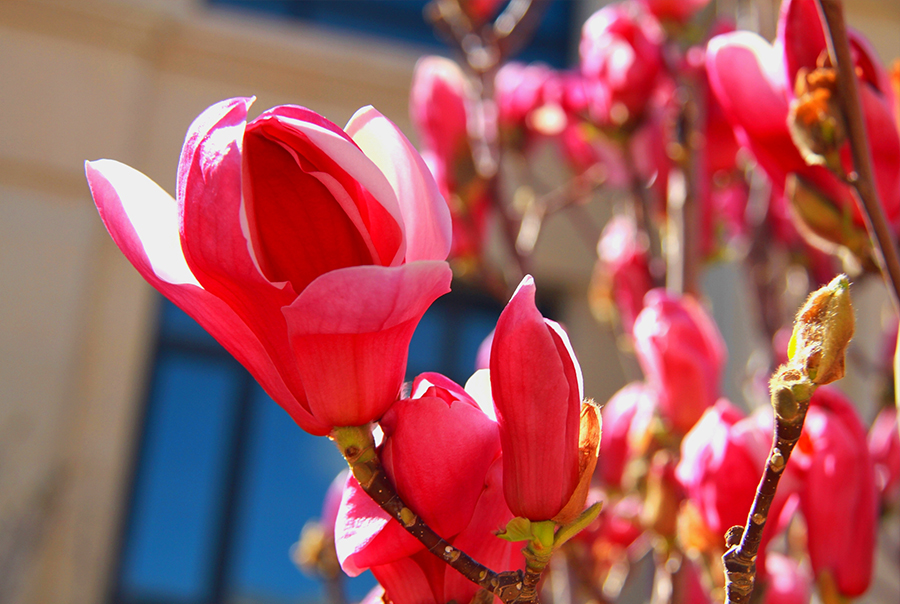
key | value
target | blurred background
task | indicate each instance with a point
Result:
(139, 463)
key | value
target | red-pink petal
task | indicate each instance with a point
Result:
(143, 221)
(479, 538)
(365, 535)
(355, 182)
(426, 217)
(213, 237)
(535, 386)
(350, 331)
(744, 76)
(424, 434)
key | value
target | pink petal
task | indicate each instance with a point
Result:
(350, 331)
(743, 75)
(412, 580)
(479, 538)
(355, 182)
(425, 213)
(800, 36)
(143, 221)
(365, 535)
(427, 433)
(299, 228)
(213, 231)
(536, 393)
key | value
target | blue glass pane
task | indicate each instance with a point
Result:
(286, 475)
(176, 327)
(172, 537)
(404, 20)
(426, 346)
(472, 332)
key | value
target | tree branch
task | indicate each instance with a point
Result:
(832, 15)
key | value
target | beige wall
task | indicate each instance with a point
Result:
(87, 79)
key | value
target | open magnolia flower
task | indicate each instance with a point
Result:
(308, 251)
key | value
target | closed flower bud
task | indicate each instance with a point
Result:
(822, 331)
(537, 389)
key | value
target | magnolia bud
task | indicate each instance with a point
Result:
(822, 331)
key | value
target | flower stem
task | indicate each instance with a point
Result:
(863, 181)
(357, 445)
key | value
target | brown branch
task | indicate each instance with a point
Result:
(357, 446)
(886, 255)
(743, 542)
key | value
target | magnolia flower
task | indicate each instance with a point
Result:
(884, 447)
(439, 105)
(538, 388)
(678, 11)
(681, 353)
(722, 459)
(309, 252)
(832, 460)
(621, 60)
(755, 81)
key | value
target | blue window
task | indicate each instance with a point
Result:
(225, 480)
(402, 20)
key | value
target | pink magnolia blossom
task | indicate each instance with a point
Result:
(309, 252)
(437, 105)
(621, 60)
(442, 452)
(682, 355)
(722, 460)
(884, 447)
(833, 462)
(625, 266)
(754, 82)
(440, 108)
(480, 11)
(787, 582)
(625, 416)
(678, 11)
(537, 389)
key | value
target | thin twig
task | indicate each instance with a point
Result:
(832, 15)
(743, 542)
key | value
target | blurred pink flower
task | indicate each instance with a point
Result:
(440, 107)
(674, 10)
(682, 355)
(884, 447)
(787, 582)
(621, 61)
(624, 416)
(754, 82)
(625, 266)
(722, 461)
(832, 460)
(308, 252)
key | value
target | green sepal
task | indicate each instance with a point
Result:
(576, 526)
(517, 529)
